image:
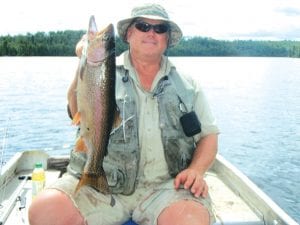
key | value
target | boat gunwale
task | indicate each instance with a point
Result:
(258, 201)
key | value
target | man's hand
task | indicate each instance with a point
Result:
(79, 46)
(192, 179)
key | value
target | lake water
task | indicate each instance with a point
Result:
(255, 100)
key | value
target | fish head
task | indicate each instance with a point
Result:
(99, 43)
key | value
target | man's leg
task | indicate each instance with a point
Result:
(62, 205)
(184, 212)
(53, 207)
(165, 205)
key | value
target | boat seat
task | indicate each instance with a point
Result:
(130, 222)
(239, 223)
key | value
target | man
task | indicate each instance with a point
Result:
(157, 161)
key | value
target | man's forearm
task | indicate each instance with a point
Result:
(72, 96)
(205, 153)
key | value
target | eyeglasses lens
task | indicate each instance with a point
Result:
(158, 28)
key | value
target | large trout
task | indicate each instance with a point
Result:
(96, 103)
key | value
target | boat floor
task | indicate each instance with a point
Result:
(228, 206)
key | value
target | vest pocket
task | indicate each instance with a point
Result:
(121, 171)
(121, 162)
(178, 154)
(115, 178)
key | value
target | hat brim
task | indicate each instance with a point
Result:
(175, 31)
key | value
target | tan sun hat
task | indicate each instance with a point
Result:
(150, 11)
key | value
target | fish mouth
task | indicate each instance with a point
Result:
(110, 42)
(108, 31)
(104, 46)
(110, 28)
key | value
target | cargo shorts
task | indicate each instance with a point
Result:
(143, 206)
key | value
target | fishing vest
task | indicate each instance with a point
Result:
(175, 97)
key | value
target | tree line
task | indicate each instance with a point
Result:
(62, 43)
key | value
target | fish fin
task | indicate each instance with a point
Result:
(80, 145)
(76, 119)
(98, 182)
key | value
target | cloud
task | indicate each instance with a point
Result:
(289, 11)
(210, 18)
(273, 35)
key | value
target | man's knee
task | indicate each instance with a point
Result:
(53, 207)
(184, 212)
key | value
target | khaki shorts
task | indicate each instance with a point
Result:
(143, 206)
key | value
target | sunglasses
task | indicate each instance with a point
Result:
(145, 27)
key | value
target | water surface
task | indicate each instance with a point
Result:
(256, 102)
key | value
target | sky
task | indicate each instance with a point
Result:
(218, 19)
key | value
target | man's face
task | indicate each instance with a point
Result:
(149, 43)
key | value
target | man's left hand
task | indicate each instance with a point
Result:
(193, 180)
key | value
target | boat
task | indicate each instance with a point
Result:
(237, 200)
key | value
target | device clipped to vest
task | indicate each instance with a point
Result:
(190, 124)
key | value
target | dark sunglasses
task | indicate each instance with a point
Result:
(145, 27)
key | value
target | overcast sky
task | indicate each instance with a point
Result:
(219, 19)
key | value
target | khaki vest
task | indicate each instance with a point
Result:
(173, 94)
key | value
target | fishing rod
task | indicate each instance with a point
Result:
(3, 145)
(11, 202)
(3, 182)
(8, 204)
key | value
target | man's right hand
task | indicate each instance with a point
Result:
(79, 46)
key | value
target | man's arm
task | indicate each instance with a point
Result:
(193, 177)
(72, 96)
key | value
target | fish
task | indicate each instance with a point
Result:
(96, 105)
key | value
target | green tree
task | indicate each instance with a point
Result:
(62, 43)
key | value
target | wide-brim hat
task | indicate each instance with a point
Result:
(150, 11)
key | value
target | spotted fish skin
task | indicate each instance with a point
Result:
(96, 103)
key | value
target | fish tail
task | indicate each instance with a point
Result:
(98, 182)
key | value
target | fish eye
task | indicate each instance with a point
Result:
(105, 37)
